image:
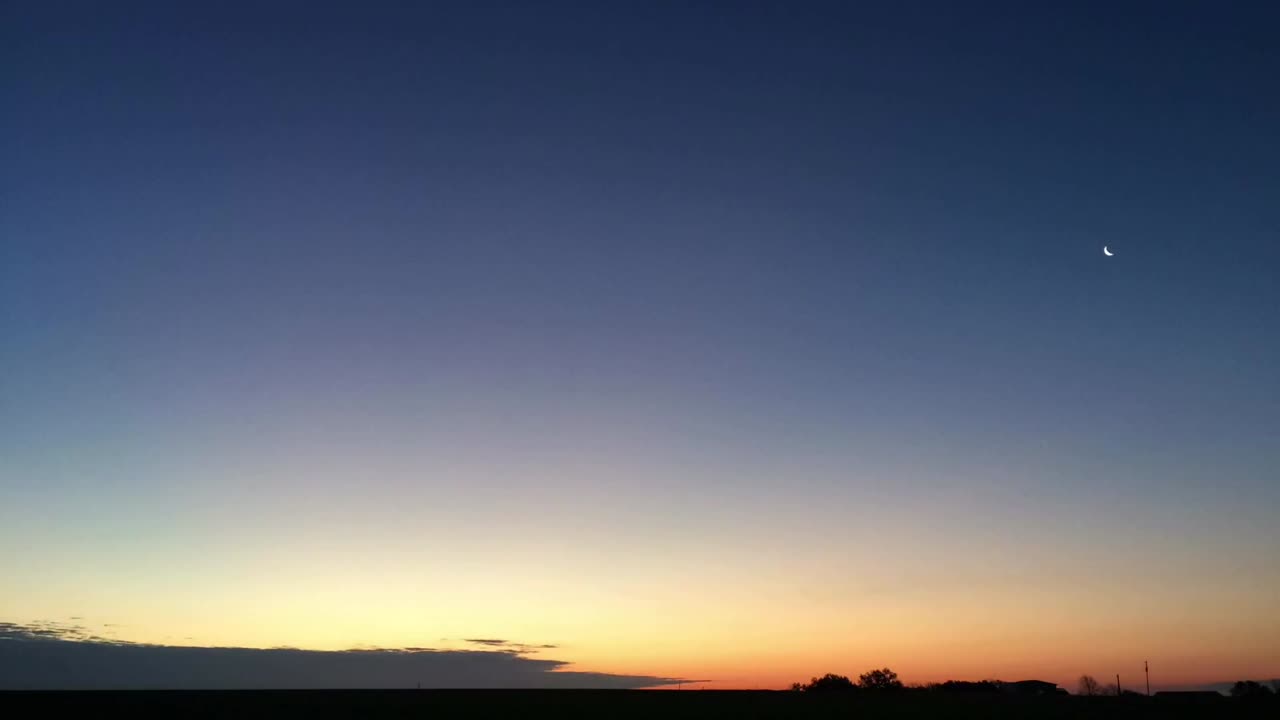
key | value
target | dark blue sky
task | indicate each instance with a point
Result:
(693, 239)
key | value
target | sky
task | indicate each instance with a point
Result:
(738, 342)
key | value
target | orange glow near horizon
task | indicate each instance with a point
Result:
(769, 639)
(755, 589)
(735, 598)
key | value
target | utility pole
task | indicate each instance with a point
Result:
(1147, 669)
(1117, 684)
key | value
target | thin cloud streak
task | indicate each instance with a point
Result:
(508, 645)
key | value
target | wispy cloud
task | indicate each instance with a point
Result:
(62, 656)
(508, 645)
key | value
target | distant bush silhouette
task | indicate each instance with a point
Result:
(1088, 685)
(1112, 690)
(1250, 689)
(965, 686)
(881, 679)
(827, 683)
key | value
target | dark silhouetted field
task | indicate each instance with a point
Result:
(659, 705)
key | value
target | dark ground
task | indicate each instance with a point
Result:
(661, 705)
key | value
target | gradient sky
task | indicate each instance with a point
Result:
(739, 341)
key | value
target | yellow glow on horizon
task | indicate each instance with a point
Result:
(714, 591)
(771, 634)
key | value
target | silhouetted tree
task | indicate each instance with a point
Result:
(1088, 685)
(1250, 689)
(827, 683)
(881, 679)
(1111, 689)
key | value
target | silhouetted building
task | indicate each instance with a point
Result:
(1032, 687)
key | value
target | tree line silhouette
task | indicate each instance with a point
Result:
(882, 680)
(1253, 689)
(885, 680)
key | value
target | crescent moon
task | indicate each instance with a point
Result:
(1106, 252)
